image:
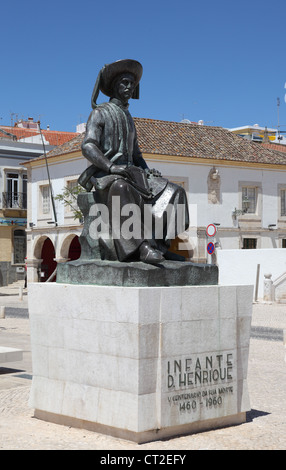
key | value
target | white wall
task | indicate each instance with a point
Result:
(195, 177)
(231, 176)
(240, 266)
(58, 174)
(232, 260)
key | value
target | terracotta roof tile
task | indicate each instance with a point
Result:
(190, 140)
(73, 145)
(193, 140)
(53, 137)
(274, 146)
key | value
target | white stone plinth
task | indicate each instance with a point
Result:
(140, 363)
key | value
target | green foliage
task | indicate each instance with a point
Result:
(69, 198)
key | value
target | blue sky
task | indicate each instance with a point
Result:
(219, 61)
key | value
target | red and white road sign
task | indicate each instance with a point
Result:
(211, 230)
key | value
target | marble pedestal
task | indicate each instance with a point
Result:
(140, 363)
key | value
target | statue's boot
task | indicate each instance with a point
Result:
(150, 255)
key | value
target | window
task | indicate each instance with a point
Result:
(249, 194)
(72, 188)
(46, 200)
(24, 190)
(19, 246)
(249, 243)
(283, 202)
(15, 196)
(72, 185)
(12, 195)
(179, 183)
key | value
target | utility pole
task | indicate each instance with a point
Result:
(278, 105)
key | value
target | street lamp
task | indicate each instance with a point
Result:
(244, 210)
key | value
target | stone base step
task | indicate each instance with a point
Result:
(10, 354)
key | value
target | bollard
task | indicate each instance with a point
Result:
(284, 341)
(268, 291)
(20, 293)
(2, 312)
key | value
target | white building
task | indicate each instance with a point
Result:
(260, 134)
(236, 184)
(13, 204)
(18, 144)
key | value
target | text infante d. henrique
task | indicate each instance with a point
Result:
(199, 371)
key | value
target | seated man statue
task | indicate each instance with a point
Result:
(118, 169)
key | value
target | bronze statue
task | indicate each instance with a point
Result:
(118, 169)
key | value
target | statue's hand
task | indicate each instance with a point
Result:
(118, 170)
(153, 172)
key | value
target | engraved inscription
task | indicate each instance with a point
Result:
(200, 381)
(209, 370)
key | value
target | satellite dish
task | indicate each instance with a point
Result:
(186, 121)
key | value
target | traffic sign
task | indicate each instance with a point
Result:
(210, 248)
(211, 230)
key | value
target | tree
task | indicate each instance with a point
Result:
(69, 198)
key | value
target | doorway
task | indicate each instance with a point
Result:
(48, 265)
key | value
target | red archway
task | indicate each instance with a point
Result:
(74, 249)
(48, 264)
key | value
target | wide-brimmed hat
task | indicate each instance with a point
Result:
(109, 72)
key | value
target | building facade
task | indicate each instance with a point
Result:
(260, 134)
(17, 145)
(234, 184)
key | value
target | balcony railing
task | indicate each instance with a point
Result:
(14, 200)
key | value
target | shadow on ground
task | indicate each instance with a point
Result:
(9, 370)
(253, 414)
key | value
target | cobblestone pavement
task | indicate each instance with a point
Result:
(265, 428)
